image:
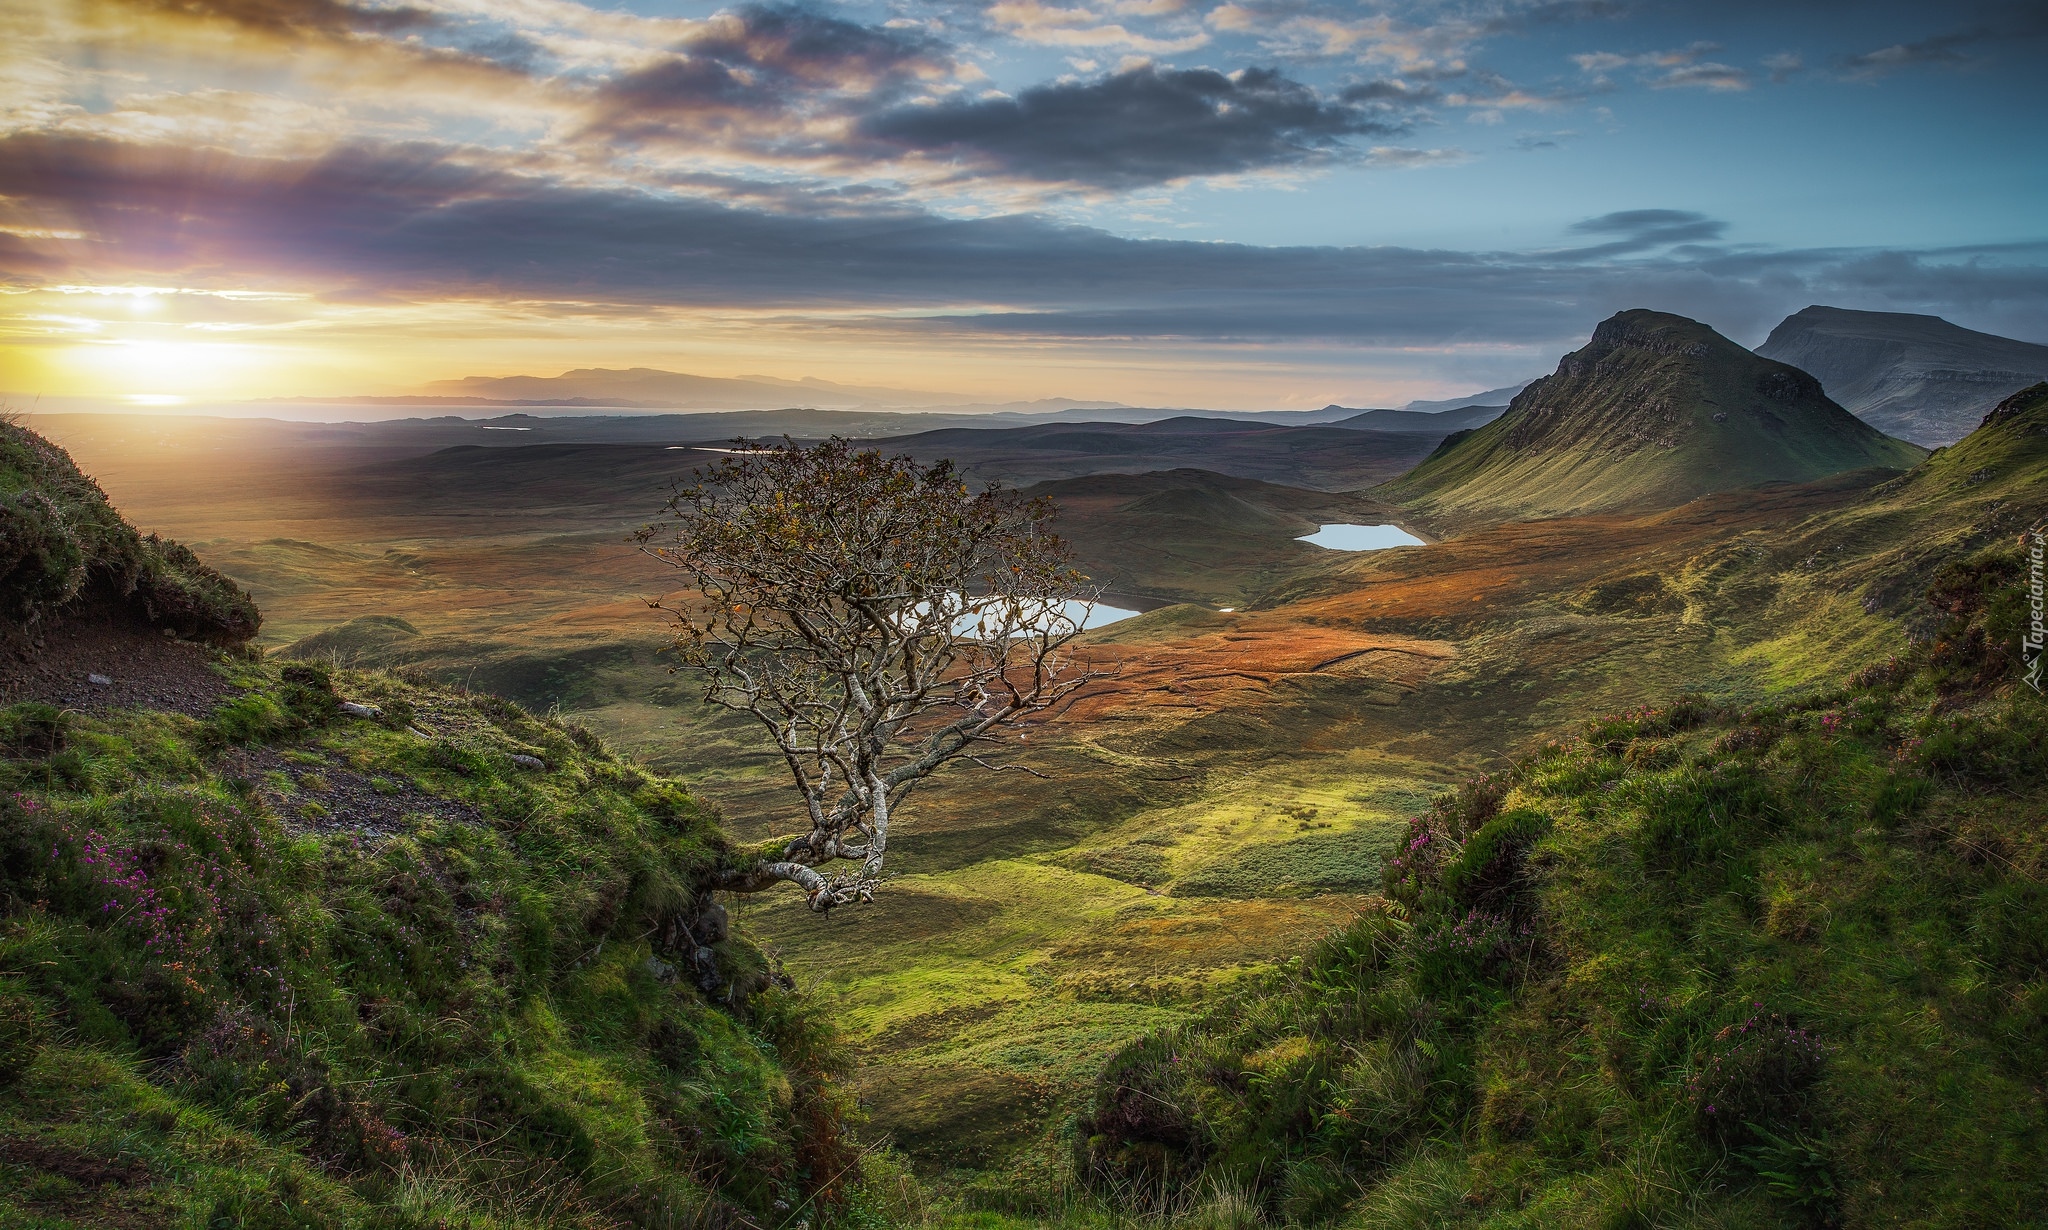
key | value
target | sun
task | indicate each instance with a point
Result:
(156, 372)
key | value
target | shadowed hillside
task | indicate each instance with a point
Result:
(1917, 377)
(1435, 422)
(1654, 411)
(65, 552)
(1329, 458)
(1191, 535)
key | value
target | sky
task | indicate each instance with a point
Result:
(1253, 204)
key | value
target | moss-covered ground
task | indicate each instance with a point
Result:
(1696, 965)
(450, 966)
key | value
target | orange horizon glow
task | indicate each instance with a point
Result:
(163, 347)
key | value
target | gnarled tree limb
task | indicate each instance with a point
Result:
(878, 619)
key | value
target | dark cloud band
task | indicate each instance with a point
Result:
(415, 222)
(1147, 125)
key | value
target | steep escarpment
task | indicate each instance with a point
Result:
(1654, 411)
(1917, 377)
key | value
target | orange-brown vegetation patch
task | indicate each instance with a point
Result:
(1480, 572)
(1227, 669)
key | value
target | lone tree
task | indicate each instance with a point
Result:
(878, 619)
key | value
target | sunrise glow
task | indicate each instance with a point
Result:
(1242, 204)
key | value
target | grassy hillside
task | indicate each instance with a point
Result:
(1768, 966)
(295, 947)
(1656, 410)
(1987, 487)
(286, 967)
(64, 548)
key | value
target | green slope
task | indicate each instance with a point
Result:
(1770, 966)
(63, 549)
(1656, 410)
(1989, 487)
(1779, 966)
(447, 965)
(284, 967)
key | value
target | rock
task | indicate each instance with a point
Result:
(713, 925)
(362, 711)
(102, 680)
(662, 970)
(530, 762)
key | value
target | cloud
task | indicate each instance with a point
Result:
(1407, 159)
(1704, 75)
(1784, 66)
(1145, 125)
(1653, 225)
(1389, 92)
(761, 63)
(1641, 230)
(427, 224)
(2005, 25)
(1036, 22)
(1664, 70)
(1491, 96)
(294, 17)
(1944, 50)
(1545, 140)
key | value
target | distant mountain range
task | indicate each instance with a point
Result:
(647, 388)
(1492, 397)
(1654, 411)
(1432, 422)
(1317, 456)
(1919, 378)
(1916, 377)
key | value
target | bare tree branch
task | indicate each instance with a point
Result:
(878, 619)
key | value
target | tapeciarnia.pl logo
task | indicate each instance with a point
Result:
(2036, 634)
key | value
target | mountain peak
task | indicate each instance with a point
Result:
(1922, 378)
(1653, 411)
(1653, 331)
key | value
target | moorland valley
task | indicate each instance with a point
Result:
(1682, 764)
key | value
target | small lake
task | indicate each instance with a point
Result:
(1071, 612)
(1361, 537)
(1101, 613)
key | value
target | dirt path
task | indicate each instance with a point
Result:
(104, 663)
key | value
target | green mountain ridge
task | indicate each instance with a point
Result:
(1654, 411)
